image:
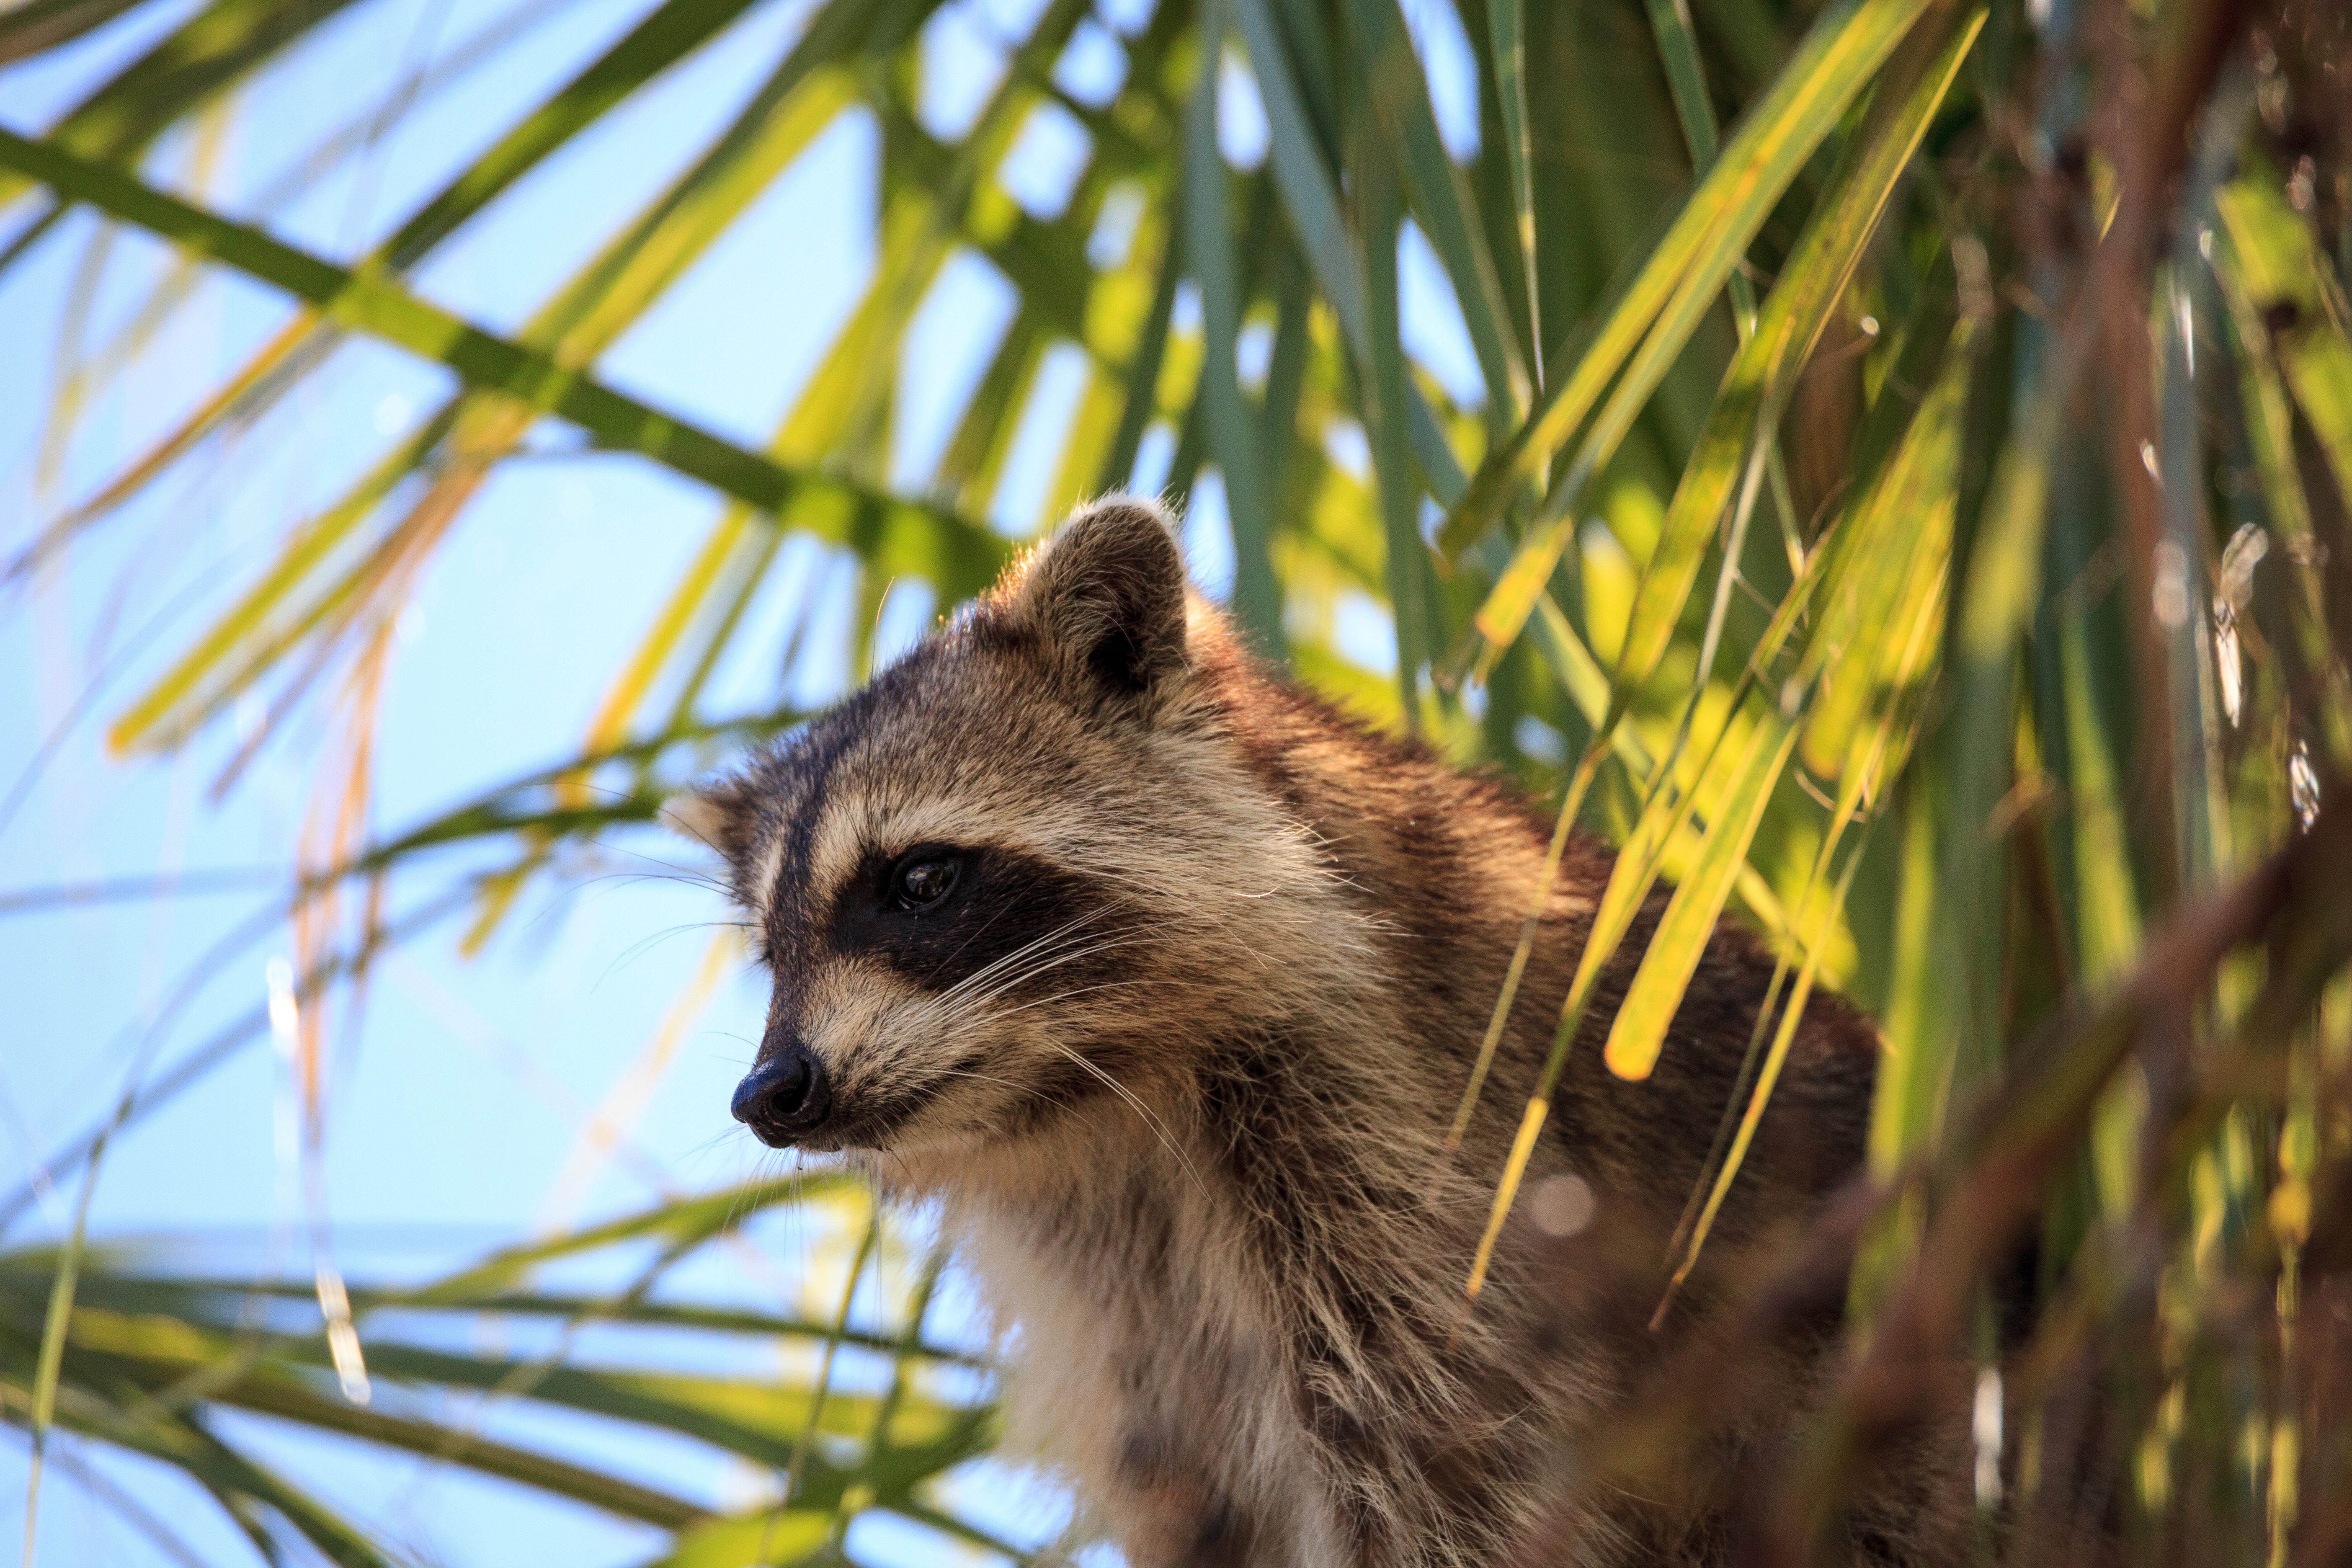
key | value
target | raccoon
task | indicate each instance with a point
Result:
(1162, 979)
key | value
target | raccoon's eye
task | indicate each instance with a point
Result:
(923, 878)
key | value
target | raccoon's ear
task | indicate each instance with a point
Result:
(1107, 594)
(717, 818)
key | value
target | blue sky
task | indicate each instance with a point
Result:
(456, 1106)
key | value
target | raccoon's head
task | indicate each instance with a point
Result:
(1026, 873)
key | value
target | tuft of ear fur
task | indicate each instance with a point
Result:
(717, 817)
(1107, 595)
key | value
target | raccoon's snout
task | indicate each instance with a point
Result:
(784, 1099)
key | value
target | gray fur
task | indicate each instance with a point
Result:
(1181, 1093)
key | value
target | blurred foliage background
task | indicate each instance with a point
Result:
(1883, 464)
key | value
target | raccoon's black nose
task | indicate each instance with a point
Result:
(784, 1097)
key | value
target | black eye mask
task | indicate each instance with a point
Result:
(940, 913)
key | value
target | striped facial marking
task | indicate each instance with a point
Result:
(937, 953)
(975, 917)
(943, 982)
(1027, 866)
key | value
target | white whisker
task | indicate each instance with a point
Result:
(1150, 1118)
